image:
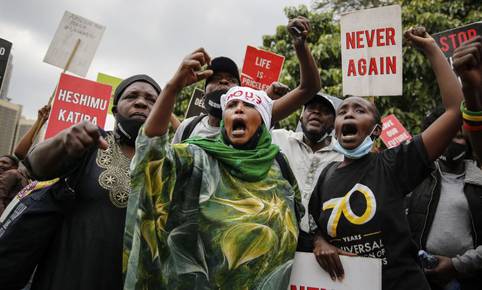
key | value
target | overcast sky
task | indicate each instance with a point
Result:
(146, 36)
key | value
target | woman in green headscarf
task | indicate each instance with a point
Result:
(210, 213)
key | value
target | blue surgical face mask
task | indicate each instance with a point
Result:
(363, 149)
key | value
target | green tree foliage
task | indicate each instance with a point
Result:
(420, 90)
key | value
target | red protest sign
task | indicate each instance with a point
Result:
(261, 68)
(449, 40)
(393, 132)
(76, 100)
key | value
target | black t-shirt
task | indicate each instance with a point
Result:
(359, 208)
(86, 253)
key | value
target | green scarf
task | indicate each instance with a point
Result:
(250, 165)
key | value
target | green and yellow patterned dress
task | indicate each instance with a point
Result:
(191, 224)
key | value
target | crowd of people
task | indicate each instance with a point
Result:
(229, 200)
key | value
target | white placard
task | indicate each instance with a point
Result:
(360, 274)
(71, 28)
(371, 52)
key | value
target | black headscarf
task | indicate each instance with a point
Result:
(129, 81)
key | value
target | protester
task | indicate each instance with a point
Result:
(211, 213)
(8, 162)
(11, 182)
(359, 203)
(467, 62)
(86, 252)
(226, 75)
(445, 215)
(308, 152)
(28, 139)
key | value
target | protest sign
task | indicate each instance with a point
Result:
(261, 68)
(113, 82)
(393, 132)
(196, 104)
(74, 44)
(76, 100)
(5, 47)
(371, 52)
(449, 40)
(360, 274)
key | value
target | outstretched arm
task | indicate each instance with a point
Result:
(58, 155)
(188, 72)
(437, 137)
(310, 82)
(468, 65)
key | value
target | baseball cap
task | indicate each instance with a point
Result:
(223, 64)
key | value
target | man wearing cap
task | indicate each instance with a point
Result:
(308, 152)
(86, 251)
(226, 75)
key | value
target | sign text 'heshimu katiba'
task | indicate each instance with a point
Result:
(371, 52)
(76, 100)
(261, 68)
(361, 273)
(393, 132)
(449, 40)
(72, 29)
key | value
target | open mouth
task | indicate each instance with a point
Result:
(349, 130)
(239, 127)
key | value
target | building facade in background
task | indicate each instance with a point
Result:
(23, 126)
(9, 119)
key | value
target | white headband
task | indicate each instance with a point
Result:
(259, 99)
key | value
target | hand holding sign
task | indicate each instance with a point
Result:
(77, 139)
(299, 28)
(190, 70)
(419, 38)
(468, 62)
(327, 256)
(43, 113)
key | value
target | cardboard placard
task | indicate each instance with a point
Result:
(196, 104)
(5, 48)
(393, 132)
(360, 274)
(261, 68)
(371, 52)
(71, 29)
(449, 40)
(76, 100)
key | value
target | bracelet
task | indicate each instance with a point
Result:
(463, 109)
(471, 117)
(471, 128)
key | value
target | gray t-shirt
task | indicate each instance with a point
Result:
(202, 129)
(451, 231)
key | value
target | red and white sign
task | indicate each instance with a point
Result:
(449, 40)
(393, 132)
(371, 52)
(76, 100)
(261, 68)
(360, 274)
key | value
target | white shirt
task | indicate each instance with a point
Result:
(305, 164)
(202, 129)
